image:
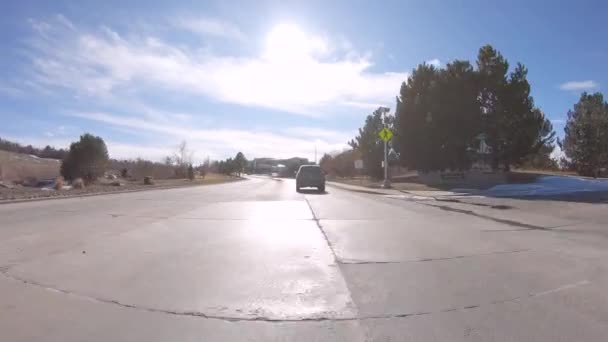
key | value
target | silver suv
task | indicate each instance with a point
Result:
(310, 176)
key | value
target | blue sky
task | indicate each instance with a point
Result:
(269, 78)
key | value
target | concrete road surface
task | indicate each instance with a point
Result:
(256, 261)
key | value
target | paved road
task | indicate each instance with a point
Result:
(255, 261)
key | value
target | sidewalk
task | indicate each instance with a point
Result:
(430, 194)
(364, 189)
(541, 214)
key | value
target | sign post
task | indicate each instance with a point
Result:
(385, 134)
(359, 167)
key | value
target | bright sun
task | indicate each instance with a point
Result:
(288, 41)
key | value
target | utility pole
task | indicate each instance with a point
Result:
(315, 154)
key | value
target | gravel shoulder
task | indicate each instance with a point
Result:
(19, 193)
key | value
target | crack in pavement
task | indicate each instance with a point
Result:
(351, 302)
(213, 317)
(495, 219)
(366, 262)
(287, 320)
(318, 223)
(512, 223)
(172, 312)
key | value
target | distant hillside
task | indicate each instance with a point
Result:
(19, 167)
(47, 152)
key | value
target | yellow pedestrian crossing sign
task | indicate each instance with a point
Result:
(385, 134)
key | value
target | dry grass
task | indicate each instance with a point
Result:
(139, 168)
(21, 192)
(19, 167)
(547, 172)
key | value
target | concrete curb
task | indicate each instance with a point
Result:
(37, 199)
(356, 188)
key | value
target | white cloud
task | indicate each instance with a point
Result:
(209, 26)
(370, 106)
(434, 62)
(221, 143)
(579, 85)
(344, 43)
(56, 132)
(294, 72)
(319, 133)
(117, 150)
(64, 21)
(40, 27)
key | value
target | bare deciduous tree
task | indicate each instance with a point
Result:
(183, 156)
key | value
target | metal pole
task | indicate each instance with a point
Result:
(385, 164)
(387, 183)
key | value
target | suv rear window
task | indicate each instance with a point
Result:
(310, 170)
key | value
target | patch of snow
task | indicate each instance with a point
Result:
(6, 184)
(550, 185)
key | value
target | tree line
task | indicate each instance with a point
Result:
(452, 117)
(88, 159)
(236, 165)
(46, 152)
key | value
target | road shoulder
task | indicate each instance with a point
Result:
(97, 190)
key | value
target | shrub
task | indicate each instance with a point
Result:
(78, 183)
(190, 172)
(59, 183)
(87, 159)
(148, 180)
